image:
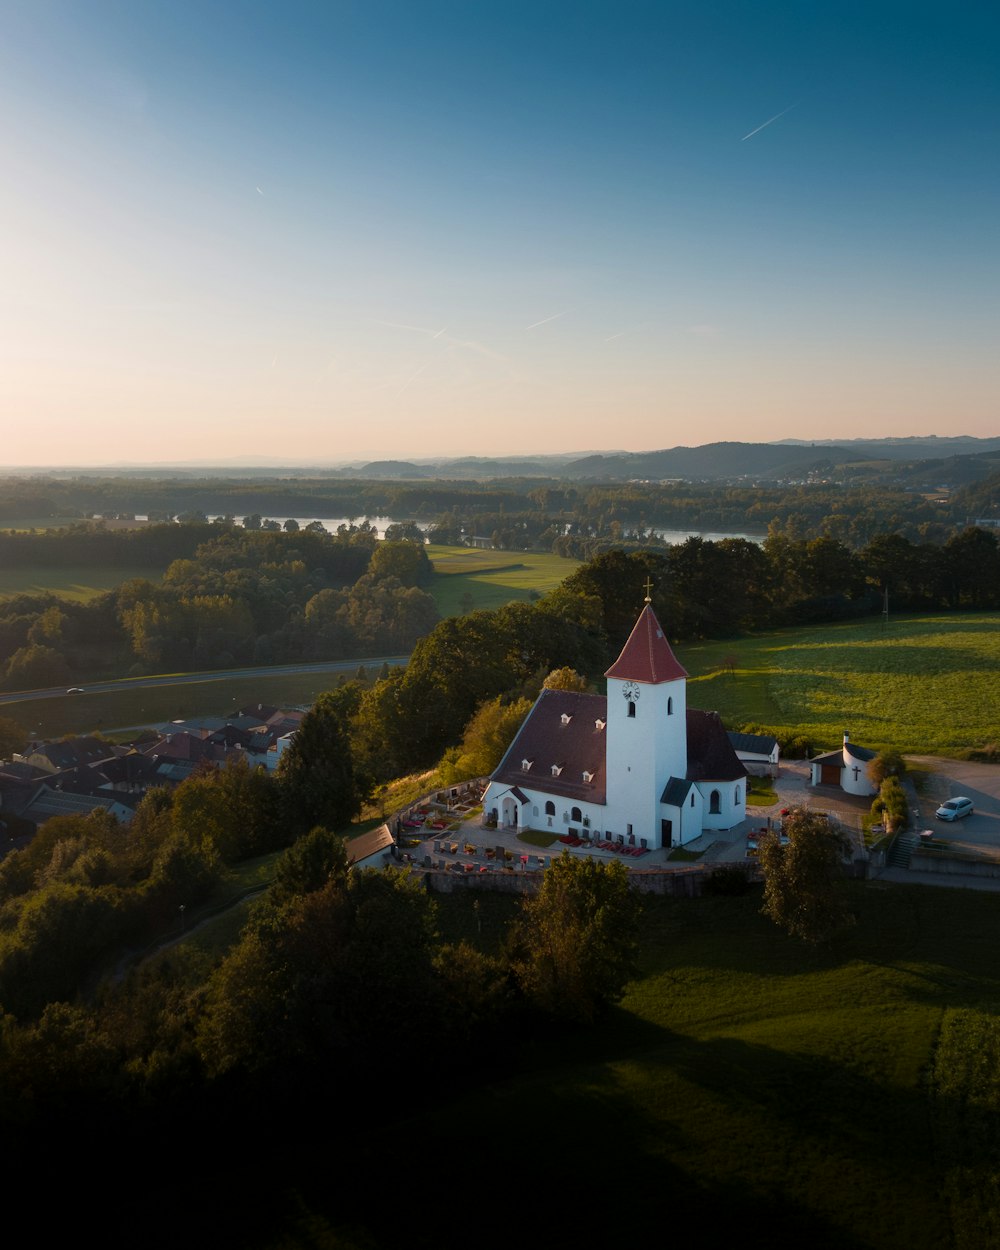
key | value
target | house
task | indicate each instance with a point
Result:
(636, 765)
(759, 753)
(847, 768)
(371, 849)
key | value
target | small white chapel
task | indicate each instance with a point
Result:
(635, 766)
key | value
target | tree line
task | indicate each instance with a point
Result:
(231, 597)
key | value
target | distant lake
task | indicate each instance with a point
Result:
(681, 536)
(333, 523)
(380, 523)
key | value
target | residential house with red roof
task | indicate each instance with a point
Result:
(636, 765)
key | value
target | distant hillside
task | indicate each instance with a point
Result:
(923, 462)
(715, 460)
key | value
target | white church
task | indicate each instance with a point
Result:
(636, 766)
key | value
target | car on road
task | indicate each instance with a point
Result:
(954, 809)
(75, 690)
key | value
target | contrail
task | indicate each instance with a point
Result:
(768, 122)
(412, 378)
(545, 320)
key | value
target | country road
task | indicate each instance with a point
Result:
(184, 679)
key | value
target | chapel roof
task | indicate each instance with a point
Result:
(647, 656)
(710, 753)
(560, 731)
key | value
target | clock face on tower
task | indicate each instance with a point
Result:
(630, 690)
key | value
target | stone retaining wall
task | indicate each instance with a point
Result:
(947, 864)
(684, 882)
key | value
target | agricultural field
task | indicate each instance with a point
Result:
(79, 582)
(926, 684)
(39, 522)
(492, 578)
(139, 706)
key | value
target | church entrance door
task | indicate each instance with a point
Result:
(667, 832)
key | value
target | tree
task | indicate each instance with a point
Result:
(403, 560)
(890, 804)
(36, 666)
(13, 737)
(575, 946)
(308, 865)
(487, 736)
(886, 764)
(567, 679)
(801, 879)
(317, 776)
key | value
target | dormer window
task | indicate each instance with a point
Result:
(526, 765)
(599, 724)
(588, 777)
(556, 769)
(565, 718)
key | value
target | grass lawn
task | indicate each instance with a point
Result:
(77, 582)
(763, 1092)
(492, 578)
(929, 684)
(535, 837)
(760, 792)
(85, 713)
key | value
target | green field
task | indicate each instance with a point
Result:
(492, 578)
(927, 684)
(757, 1091)
(78, 582)
(217, 696)
(40, 522)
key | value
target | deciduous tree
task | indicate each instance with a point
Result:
(575, 946)
(802, 879)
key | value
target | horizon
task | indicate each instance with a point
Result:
(384, 233)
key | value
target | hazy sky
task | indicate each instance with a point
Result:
(332, 230)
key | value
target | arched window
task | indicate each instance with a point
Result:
(631, 708)
(715, 802)
(670, 706)
(692, 800)
(576, 815)
(736, 795)
(550, 808)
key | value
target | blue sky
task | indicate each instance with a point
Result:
(346, 230)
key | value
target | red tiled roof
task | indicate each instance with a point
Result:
(647, 655)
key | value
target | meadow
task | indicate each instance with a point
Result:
(75, 582)
(134, 708)
(491, 578)
(928, 683)
(749, 1089)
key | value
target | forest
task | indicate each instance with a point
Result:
(228, 596)
(523, 510)
(232, 596)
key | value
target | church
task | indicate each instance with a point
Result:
(635, 766)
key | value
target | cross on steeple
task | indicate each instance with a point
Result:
(649, 590)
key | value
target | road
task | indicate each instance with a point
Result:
(980, 783)
(184, 679)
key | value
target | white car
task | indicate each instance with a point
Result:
(954, 809)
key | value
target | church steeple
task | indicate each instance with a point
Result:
(647, 656)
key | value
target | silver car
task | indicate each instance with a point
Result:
(954, 809)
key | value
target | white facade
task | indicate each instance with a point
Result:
(635, 766)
